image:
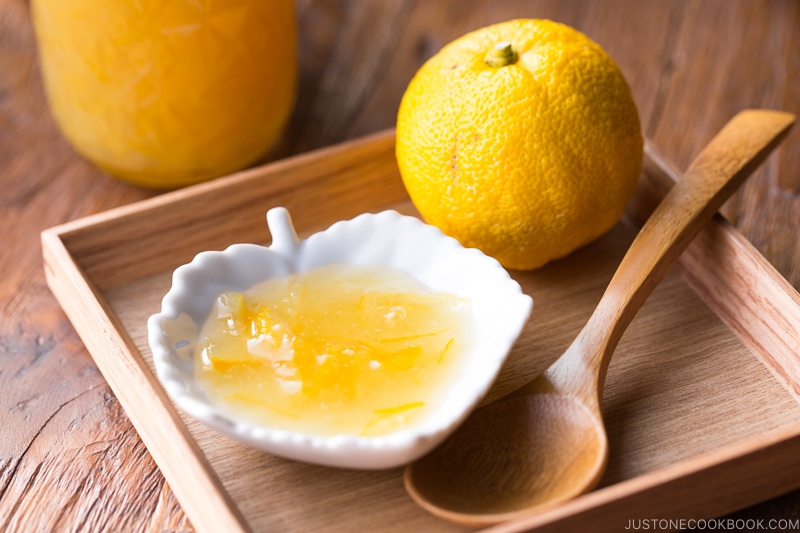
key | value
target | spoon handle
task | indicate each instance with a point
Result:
(723, 165)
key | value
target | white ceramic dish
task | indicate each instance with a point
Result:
(388, 238)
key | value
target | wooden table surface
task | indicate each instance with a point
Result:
(70, 459)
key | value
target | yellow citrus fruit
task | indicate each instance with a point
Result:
(520, 139)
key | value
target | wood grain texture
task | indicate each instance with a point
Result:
(691, 65)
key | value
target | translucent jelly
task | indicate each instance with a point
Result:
(340, 349)
(163, 93)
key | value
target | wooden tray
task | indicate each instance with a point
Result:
(701, 398)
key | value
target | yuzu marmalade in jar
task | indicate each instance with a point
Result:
(166, 93)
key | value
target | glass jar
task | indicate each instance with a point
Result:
(166, 93)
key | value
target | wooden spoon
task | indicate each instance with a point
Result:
(546, 442)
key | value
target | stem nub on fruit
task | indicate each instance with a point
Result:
(501, 55)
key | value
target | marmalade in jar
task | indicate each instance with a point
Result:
(168, 93)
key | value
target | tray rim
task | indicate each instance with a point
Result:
(86, 307)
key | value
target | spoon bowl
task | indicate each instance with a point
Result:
(546, 442)
(530, 442)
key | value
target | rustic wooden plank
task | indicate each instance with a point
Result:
(690, 63)
(708, 82)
